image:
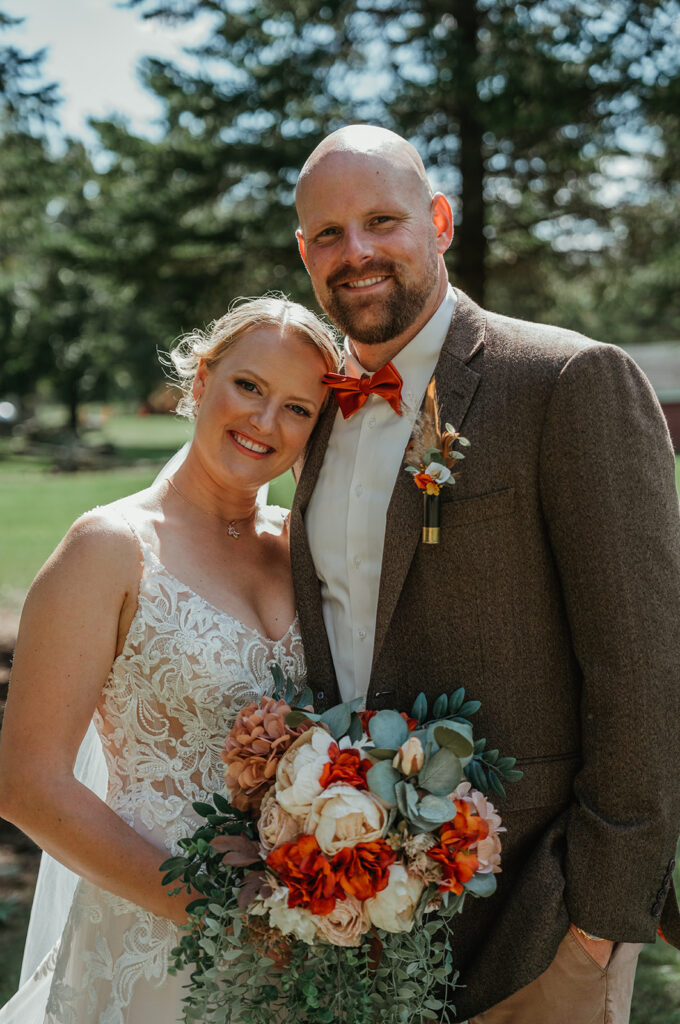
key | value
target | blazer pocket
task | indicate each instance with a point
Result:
(466, 511)
(548, 782)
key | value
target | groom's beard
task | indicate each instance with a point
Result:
(399, 309)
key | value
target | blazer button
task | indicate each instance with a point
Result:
(656, 910)
(320, 695)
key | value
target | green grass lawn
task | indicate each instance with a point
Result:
(37, 506)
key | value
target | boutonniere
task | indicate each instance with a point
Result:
(432, 460)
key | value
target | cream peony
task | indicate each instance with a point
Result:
(299, 770)
(290, 920)
(344, 816)
(275, 825)
(345, 925)
(393, 908)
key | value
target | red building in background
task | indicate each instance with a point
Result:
(660, 361)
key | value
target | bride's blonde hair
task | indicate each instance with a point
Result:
(245, 315)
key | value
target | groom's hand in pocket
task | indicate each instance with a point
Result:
(600, 950)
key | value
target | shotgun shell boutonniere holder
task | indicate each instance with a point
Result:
(432, 460)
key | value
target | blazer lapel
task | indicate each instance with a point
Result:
(305, 582)
(456, 386)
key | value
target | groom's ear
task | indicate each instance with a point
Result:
(301, 246)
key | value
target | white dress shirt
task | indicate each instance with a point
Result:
(347, 513)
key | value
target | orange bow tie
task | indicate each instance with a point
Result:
(352, 392)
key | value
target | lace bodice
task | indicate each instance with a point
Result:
(186, 670)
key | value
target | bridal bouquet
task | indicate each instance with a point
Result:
(332, 870)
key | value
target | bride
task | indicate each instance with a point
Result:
(158, 617)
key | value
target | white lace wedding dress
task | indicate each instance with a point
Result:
(186, 670)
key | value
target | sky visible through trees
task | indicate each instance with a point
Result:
(552, 125)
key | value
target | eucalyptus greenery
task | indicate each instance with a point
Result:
(404, 978)
(240, 969)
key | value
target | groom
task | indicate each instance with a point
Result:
(553, 595)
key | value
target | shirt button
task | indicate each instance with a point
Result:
(362, 634)
(371, 422)
(356, 561)
(358, 490)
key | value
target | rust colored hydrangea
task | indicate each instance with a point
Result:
(253, 749)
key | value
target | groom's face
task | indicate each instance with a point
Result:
(368, 237)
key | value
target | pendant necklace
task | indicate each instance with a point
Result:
(231, 524)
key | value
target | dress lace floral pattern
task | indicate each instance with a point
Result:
(185, 672)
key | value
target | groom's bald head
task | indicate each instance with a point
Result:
(368, 142)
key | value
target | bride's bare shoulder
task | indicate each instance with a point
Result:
(105, 540)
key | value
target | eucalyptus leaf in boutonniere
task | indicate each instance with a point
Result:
(433, 460)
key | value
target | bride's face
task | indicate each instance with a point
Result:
(258, 405)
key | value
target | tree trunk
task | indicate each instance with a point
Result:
(471, 246)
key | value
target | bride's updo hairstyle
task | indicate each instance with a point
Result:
(243, 316)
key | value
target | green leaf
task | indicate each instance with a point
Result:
(470, 707)
(419, 709)
(406, 798)
(337, 719)
(173, 862)
(513, 774)
(388, 729)
(203, 809)
(436, 809)
(491, 756)
(381, 780)
(495, 784)
(441, 773)
(476, 776)
(455, 736)
(305, 699)
(173, 874)
(297, 717)
(482, 885)
(279, 679)
(440, 706)
(455, 700)
(289, 693)
(506, 762)
(356, 729)
(381, 753)
(464, 441)
(221, 803)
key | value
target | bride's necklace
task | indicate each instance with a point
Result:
(231, 524)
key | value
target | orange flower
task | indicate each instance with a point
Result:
(346, 766)
(307, 873)
(363, 870)
(453, 851)
(366, 716)
(427, 483)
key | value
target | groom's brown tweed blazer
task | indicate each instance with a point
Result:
(554, 598)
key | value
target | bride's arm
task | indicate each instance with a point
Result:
(68, 639)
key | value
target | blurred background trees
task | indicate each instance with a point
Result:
(553, 126)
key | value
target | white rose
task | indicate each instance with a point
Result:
(299, 771)
(438, 472)
(393, 908)
(290, 920)
(344, 816)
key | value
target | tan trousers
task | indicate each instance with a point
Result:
(573, 990)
